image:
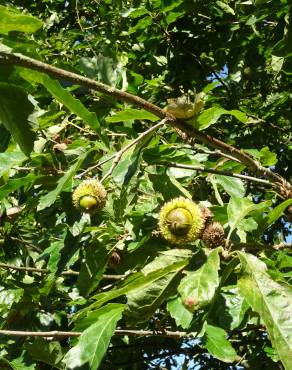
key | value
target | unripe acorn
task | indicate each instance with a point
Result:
(213, 235)
(181, 221)
(89, 196)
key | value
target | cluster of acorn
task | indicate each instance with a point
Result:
(181, 220)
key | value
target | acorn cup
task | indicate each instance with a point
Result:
(89, 197)
(181, 221)
(213, 235)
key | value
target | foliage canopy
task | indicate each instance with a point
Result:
(106, 290)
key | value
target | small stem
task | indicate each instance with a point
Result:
(45, 271)
(62, 334)
(218, 172)
(117, 157)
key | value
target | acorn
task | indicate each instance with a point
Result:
(213, 235)
(89, 196)
(181, 221)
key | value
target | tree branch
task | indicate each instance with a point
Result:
(183, 129)
(45, 271)
(218, 172)
(119, 332)
(120, 153)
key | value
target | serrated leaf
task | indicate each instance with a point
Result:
(93, 342)
(232, 186)
(50, 198)
(15, 109)
(132, 114)
(143, 302)
(13, 20)
(172, 261)
(217, 344)
(200, 285)
(63, 96)
(271, 300)
(182, 316)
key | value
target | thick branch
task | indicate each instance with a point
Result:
(183, 129)
(62, 334)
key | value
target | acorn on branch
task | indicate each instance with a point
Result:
(213, 235)
(89, 196)
(181, 221)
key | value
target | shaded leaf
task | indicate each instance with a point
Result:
(50, 198)
(93, 266)
(15, 109)
(143, 302)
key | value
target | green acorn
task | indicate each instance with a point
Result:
(89, 196)
(213, 235)
(181, 221)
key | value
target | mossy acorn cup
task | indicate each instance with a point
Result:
(181, 221)
(89, 197)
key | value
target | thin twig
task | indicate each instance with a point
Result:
(62, 334)
(218, 172)
(183, 129)
(118, 155)
(45, 271)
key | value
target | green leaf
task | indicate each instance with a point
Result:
(211, 115)
(63, 96)
(274, 215)
(93, 342)
(217, 344)
(93, 266)
(10, 159)
(15, 184)
(182, 316)
(231, 307)
(7, 298)
(233, 186)
(239, 208)
(143, 302)
(15, 109)
(45, 351)
(13, 20)
(225, 7)
(200, 285)
(132, 114)
(208, 117)
(50, 198)
(173, 261)
(271, 300)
